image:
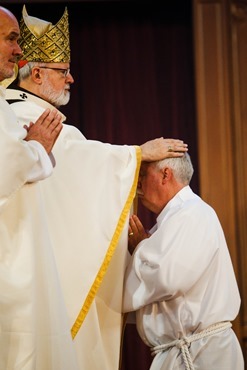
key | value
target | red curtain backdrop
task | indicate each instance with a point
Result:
(132, 62)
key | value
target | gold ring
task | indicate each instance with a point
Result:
(169, 149)
(130, 234)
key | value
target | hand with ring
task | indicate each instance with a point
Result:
(136, 233)
(158, 149)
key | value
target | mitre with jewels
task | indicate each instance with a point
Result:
(41, 41)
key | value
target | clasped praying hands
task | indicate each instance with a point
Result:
(137, 233)
(46, 129)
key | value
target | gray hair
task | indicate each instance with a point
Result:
(181, 166)
(26, 70)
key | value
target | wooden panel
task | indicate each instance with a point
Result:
(239, 89)
(213, 76)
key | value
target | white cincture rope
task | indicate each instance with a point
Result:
(184, 343)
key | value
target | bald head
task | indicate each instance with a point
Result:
(5, 14)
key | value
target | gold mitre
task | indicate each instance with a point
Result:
(41, 41)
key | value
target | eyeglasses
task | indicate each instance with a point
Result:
(65, 71)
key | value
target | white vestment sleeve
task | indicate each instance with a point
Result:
(44, 166)
(87, 203)
(20, 161)
(34, 328)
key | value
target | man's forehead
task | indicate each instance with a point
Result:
(8, 22)
(57, 65)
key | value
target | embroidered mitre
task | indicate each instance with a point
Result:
(41, 41)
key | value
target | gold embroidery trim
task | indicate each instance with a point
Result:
(111, 249)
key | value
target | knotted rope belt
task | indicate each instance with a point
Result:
(184, 343)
